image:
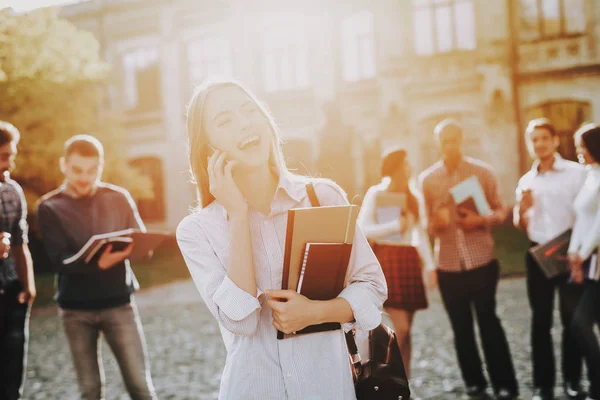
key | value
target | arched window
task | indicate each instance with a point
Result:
(152, 210)
(566, 116)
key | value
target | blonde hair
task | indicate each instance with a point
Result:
(198, 147)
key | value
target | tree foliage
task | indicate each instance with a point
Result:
(51, 78)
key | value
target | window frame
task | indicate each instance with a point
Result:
(131, 46)
(433, 5)
(294, 47)
(356, 39)
(541, 35)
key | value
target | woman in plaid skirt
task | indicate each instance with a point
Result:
(390, 217)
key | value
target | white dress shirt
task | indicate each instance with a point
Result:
(258, 366)
(554, 192)
(586, 232)
(415, 235)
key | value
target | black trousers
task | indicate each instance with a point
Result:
(587, 315)
(540, 291)
(14, 321)
(461, 292)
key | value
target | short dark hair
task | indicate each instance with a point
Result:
(448, 125)
(590, 135)
(85, 146)
(541, 123)
(8, 133)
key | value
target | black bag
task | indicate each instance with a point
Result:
(383, 377)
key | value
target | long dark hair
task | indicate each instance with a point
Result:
(392, 161)
(590, 135)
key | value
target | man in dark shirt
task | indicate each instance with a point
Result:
(467, 269)
(17, 285)
(97, 296)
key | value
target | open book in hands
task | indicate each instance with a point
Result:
(144, 244)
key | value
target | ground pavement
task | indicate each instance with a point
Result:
(187, 353)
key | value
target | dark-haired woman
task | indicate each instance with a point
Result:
(390, 217)
(583, 253)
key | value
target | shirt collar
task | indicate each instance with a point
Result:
(559, 164)
(69, 192)
(458, 166)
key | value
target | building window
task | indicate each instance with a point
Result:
(358, 47)
(442, 26)
(542, 19)
(208, 55)
(142, 80)
(566, 116)
(152, 210)
(285, 55)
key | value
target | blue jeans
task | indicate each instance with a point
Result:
(122, 329)
(14, 331)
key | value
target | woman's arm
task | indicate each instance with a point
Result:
(229, 292)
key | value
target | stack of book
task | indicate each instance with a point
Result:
(318, 246)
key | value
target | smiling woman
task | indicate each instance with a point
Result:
(233, 247)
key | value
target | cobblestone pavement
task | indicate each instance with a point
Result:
(187, 354)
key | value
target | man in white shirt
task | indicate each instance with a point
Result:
(544, 210)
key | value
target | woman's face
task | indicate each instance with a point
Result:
(583, 155)
(235, 124)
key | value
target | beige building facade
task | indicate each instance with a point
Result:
(392, 68)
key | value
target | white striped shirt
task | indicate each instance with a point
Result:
(258, 366)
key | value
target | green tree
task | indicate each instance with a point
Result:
(51, 78)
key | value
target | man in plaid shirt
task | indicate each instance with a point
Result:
(17, 286)
(467, 270)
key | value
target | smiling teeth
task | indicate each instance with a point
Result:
(247, 141)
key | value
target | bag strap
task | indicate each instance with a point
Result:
(312, 195)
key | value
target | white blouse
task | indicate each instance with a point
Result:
(258, 366)
(415, 234)
(586, 232)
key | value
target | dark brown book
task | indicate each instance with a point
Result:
(322, 276)
(469, 204)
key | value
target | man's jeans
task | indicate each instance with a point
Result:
(14, 330)
(123, 332)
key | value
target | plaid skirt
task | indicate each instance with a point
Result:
(401, 266)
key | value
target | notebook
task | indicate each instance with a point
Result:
(591, 270)
(552, 256)
(322, 276)
(389, 206)
(469, 194)
(144, 244)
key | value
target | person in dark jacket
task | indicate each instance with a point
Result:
(95, 297)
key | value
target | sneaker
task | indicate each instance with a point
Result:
(476, 392)
(574, 391)
(543, 394)
(505, 394)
